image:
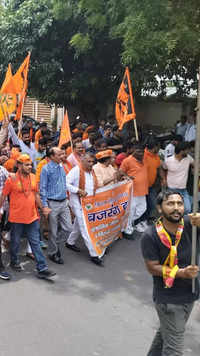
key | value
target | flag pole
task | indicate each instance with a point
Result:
(21, 119)
(132, 104)
(24, 94)
(196, 180)
(136, 130)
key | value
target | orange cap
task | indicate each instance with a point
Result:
(24, 158)
(104, 154)
(14, 153)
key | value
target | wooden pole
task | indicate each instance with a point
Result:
(21, 118)
(196, 181)
(136, 130)
(132, 102)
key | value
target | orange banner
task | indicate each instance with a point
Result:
(124, 109)
(106, 214)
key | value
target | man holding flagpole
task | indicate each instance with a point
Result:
(167, 250)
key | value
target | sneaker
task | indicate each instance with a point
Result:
(73, 247)
(97, 261)
(5, 275)
(145, 224)
(30, 255)
(56, 259)
(128, 236)
(43, 245)
(46, 274)
(140, 227)
(16, 266)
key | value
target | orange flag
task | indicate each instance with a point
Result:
(21, 79)
(8, 77)
(65, 133)
(124, 109)
(8, 100)
(21, 76)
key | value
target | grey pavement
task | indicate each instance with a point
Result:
(87, 311)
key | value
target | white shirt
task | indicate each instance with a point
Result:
(190, 134)
(72, 181)
(177, 171)
(86, 143)
(30, 150)
(181, 129)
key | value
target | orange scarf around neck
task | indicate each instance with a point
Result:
(82, 179)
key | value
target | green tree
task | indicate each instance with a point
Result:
(81, 47)
(58, 73)
(159, 37)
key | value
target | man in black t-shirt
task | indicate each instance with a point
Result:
(115, 141)
(166, 248)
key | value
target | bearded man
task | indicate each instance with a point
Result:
(23, 215)
(166, 249)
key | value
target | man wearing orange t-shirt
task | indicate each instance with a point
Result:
(135, 167)
(40, 133)
(153, 163)
(23, 215)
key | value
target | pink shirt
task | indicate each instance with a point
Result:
(72, 160)
(103, 173)
(177, 171)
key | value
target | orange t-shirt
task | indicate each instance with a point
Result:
(40, 165)
(22, 208)
(85, 133)
(134, 168)
(38, 136)
(31, 134)
(152, 161)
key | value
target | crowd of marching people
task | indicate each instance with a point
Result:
(41, 183)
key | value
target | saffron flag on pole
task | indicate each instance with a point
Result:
(124, 109)
(21, 78)
(8, 77)
(16, 85)
(65, 134)
(8, 100)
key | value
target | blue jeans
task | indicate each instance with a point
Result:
(186, 198)
(31, 231)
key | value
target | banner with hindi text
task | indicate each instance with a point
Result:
(106, 214)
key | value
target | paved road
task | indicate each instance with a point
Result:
(88, 311)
